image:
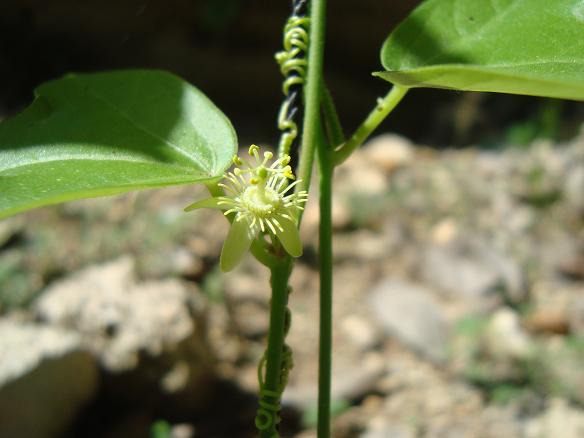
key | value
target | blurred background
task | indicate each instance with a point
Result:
(459, 249)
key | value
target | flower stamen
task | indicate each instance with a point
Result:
(258, 194)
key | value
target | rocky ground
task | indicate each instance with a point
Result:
(459, 306)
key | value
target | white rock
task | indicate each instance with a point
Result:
(348, 382)
(506, 337)
(360, 331)
(559, 420)
(358, 177)
(472, 272)
(445, 231)
(381, 427)
(576, 315)
(574, 187)
(116, 317)
(411, 314)
(23, 346)
(45, 379)
(389, 151)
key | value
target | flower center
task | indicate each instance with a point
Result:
(260, 200)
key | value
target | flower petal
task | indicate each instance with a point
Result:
(236, 244)
(289, 238)
(205, 203)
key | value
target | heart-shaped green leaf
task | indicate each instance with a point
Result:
(533, 47)
(107, 133)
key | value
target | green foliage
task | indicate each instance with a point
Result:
(540, 194)
(107, 133)
(506, 393)
(160, 429)
(533, 47)
(576, 344)
(545, 123)
(472, 327)
(212, 286)
(557, 368)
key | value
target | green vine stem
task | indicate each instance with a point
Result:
(273, 383)
(325, 166)
(312, 92)
(313, 136)
(384, 106)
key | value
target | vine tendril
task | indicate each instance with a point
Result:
(293, 66)
(268, 413)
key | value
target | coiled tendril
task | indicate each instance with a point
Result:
(268, 413)
(293, 66)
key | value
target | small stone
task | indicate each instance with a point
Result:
(176, 379)
(121, 320)
(170, 262)
(576, 316)
(548, 320)
(572, 267)
(380, 427)
(310, 221)
(551, 305)
(472, 272)
(349, 382)
(444, 232)
(506, 338)
(364, 245)
(574, 187)
(559, 420)
(460, 276)
(46, 378)
(358, 381)
(182, 431)
(389, 151)
(251, 319)
(411, 314)
(358, 178)
(360, 331)
(341, 217)
(372, 403)
(252, 286)
(341, 213)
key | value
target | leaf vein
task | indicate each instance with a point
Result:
(142, 128)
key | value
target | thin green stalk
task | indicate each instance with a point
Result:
(311, 137)
(271, 390)
(312, 92)
(334, 130)
(384, 106)
(325, 166)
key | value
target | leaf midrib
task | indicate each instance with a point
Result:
(140, 127)
(94, 159)
(490, 66)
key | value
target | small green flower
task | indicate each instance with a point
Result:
(258, 194)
